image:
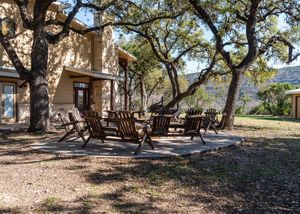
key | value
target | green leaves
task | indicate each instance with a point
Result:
(275, 100)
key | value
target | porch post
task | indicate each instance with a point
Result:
(112, 95)
(126, 85)
(90, 93)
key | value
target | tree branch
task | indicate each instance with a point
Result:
(205, 74)
(23, 72)
(203, 15)
(53, 39)
(22, 5)
(251, 35)
(273, 40)
(155, 86)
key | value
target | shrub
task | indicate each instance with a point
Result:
(259, 110)
(274, 99)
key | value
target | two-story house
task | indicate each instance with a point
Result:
(83, 70)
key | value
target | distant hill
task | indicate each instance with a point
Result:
(284, 75)
(288, 75)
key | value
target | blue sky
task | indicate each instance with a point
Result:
(192, 66)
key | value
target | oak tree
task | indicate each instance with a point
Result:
(245, 30)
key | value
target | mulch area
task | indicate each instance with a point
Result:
(260, 176)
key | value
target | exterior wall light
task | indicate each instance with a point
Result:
(7, 27)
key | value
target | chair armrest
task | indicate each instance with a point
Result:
(69, 123)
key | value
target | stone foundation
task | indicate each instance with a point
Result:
(55, 108)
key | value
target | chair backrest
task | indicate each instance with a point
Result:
(211, 114)
(125, 114)
(126, 127)
(193, 111)
(161, 124)
(77, 114)
(64, 119)
(93, 121)
(211, 110)
(193, 123)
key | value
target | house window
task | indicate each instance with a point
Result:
(8, 101)
(81, 85)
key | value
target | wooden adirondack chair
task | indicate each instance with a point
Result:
(128, 131)
(71, 125)
(96, 129)
(192, 125)
(211, 120)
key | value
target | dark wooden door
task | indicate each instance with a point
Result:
(81, 99)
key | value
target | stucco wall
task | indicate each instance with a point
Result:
(105, 59)
(109, 53)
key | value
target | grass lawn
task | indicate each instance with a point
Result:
(262, 175)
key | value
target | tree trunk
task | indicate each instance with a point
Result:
(192, 89)
(39, 98)
(173, 80)
(39, 105)
(144, 97)
(232, 97)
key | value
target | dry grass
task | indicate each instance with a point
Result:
(260, 176)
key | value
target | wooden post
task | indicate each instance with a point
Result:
(126, 86)
(112, 95)
(90, 93)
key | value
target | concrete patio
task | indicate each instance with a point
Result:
(164, 147)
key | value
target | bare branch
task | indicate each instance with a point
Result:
(101, 8)
(150, 40)
(185, 52)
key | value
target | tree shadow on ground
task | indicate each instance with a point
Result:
(90, 204)
(9, 210)
(262, 175)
